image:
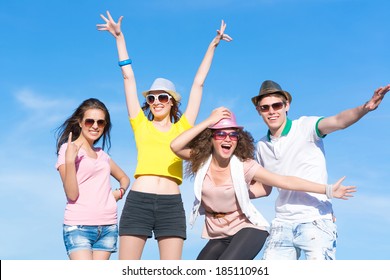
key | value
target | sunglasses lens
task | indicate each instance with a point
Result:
(277, 106)
(150, 99)
(264, 108)
(163, 98)
(220, 135)
(89, 122)
(233, 136)
(101, 123)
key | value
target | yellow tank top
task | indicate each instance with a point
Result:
(155, 156)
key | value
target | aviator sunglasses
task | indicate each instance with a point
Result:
(162, 98)
(91, 122)
(265, 108)
(221, 135)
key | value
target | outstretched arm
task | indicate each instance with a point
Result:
(349, 117)
(132, 102)
(293, 183)
(195, 98)
(179, 144)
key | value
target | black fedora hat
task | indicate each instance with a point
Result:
(269, 87)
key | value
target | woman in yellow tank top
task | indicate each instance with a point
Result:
(159, 171)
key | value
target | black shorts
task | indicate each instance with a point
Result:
(147, 213)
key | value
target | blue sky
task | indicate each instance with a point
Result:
(329, 54)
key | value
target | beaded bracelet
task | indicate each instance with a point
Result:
(122, 192)
(124, 62)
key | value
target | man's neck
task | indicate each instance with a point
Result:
(283, 130)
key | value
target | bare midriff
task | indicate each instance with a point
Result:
(156, 185)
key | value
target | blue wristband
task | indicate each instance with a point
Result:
(124, 62)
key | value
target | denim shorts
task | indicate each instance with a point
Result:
(316, 240)
(147, 213)
(93, 238)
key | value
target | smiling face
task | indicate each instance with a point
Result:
(92, 125)
(160, 103)
(273, 109)
(224, 142)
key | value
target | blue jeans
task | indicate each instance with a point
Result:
(93, 238)
(317, 240)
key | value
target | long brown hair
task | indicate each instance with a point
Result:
(201, 149)
(71, 124)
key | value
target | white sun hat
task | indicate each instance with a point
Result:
(165, 85)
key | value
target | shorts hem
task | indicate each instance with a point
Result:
(89, 249)
(138, 233)
(171, 234)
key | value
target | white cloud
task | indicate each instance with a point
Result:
(32, 100)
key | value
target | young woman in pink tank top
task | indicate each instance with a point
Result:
(90, 227)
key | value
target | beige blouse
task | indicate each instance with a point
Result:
(223, 214)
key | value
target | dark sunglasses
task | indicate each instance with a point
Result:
(162, 98)
(91, 122)
(265, 108)
(221, 135)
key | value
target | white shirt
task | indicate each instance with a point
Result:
(299, 152)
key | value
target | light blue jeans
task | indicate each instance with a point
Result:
(100, 238)
(317, 240)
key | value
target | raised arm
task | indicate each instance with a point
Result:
(293, 183)
(132, 102)
(195, 98)
(68, 171)
(179, 144)
(349, 117)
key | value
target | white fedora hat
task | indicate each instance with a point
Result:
(165, 85)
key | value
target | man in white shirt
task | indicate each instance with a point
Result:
(304, 221)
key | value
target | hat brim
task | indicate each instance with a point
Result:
(256, 98)
(174, 94)
(224, 126)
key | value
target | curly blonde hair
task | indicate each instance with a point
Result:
(201, 148)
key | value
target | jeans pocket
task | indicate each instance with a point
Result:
(326, 226)
(67, 228)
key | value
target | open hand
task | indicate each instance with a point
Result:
(218, 114)
(376, 99)
(111, 26)
(343, 192)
